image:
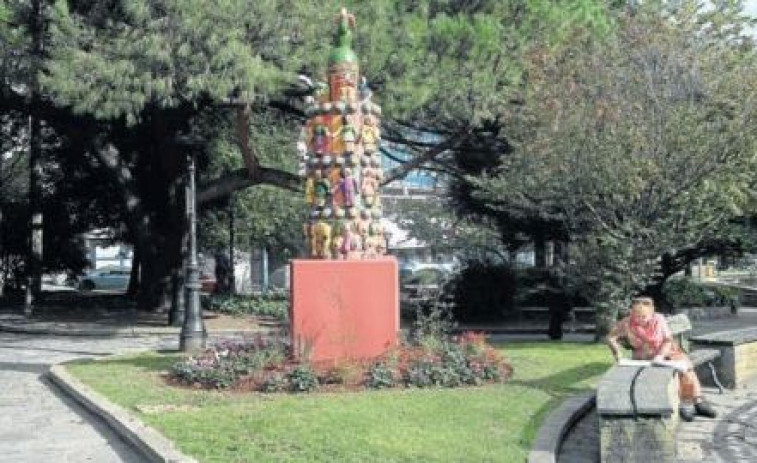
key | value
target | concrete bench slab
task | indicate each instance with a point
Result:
(737, 349)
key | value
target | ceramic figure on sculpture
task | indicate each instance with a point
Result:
(320, 136)
(322, 239)
(348, 188)
(348, 131)
(369, 187)
(322, 189)
(362, 224)
(335, 173)
(335, 131)
(370, 134)
(337, 234)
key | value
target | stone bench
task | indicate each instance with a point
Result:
(638, 405)
(638, 414)
(737, 354)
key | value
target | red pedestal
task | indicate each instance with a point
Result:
(344, 309)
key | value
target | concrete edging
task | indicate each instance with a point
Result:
(556, 425)
(146, 440)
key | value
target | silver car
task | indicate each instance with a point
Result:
(105, 278)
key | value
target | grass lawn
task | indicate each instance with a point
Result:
(491, 423)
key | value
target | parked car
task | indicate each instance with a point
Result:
(423, 283)
(105, 278)
(209, 283)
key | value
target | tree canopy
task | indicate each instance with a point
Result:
(638, 144)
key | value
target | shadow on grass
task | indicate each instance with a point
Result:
(565, 381)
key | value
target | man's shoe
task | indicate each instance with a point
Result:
(686, 412)
(704, 408)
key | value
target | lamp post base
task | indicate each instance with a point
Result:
(193, 341)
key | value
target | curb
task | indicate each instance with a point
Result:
(556, 425)
(146, 440)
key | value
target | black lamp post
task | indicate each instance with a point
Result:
(193, 334)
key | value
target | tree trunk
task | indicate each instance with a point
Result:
(232, 279)
(540, 250)
(134, 276)
(34, 259)
(178, 289)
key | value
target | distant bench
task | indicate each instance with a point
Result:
(737, 350)
(638, 406)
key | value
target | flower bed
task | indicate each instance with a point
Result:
(268, 366)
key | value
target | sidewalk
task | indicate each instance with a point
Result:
(108, 315)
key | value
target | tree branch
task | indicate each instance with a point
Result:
(249, 155)
(240, 179)
(451, 143)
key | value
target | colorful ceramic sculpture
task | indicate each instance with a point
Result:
(338, 149)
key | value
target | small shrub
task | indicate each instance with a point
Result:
(274, 382)
(420, 373)
(379, 376)
(302, 379)
(463, 360)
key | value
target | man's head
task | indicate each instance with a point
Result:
(642, 309)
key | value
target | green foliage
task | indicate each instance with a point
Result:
(685, 292)
(483, 291)
(222, 365)
(272, 304)
(163, 54)
(465, 360)
(637, 144)
(379, 376)
(262, 215)
(302, 379)
(274, 382)
(432, 324)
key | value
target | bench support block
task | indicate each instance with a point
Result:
(644, 439)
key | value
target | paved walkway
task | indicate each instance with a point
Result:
(730, 438)
(39, 424)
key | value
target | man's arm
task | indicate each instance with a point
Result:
(612, 342)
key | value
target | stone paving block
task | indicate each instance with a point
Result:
(689, 451)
